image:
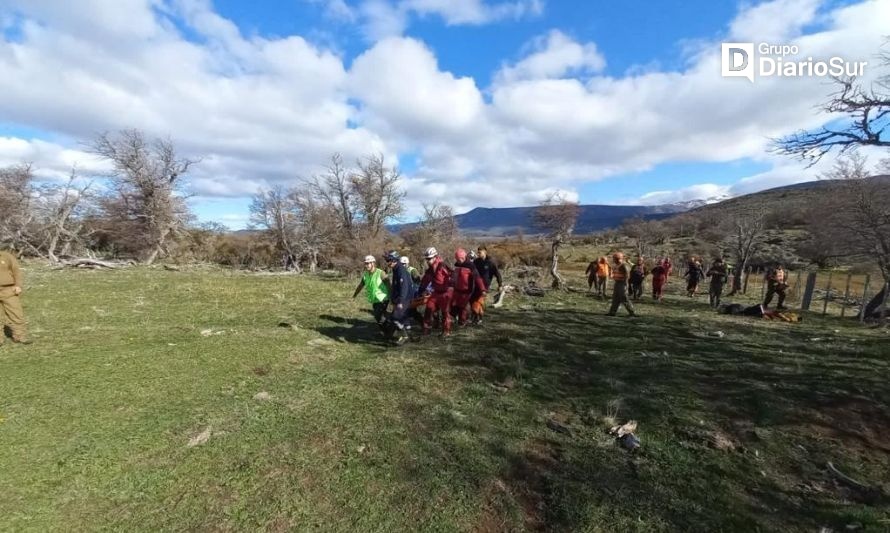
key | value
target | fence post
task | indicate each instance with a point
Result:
(827, 294)
(864, 302)
(797, 286)
(808, 291)
(846, 295)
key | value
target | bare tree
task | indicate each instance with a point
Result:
(63, 209)
(145, 186)
(867, 110)
(378, 196)
(860, 210)
(335, 190)
(436, 227)
(317, 225)
(16, 214)
(745, 235)
(556, 216)
(276, 212)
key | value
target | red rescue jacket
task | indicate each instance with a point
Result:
(438, 275)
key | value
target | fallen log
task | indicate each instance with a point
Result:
(93, 263)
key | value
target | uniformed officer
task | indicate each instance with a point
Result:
(11, 283)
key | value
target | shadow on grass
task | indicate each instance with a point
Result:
(352, 330)
(786, 403)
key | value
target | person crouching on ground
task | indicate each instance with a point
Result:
(376, 285)
(401, 293)
(659, 278)
(620, 276)
(436, 282)
(718, 274)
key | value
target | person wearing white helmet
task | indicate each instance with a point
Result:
(437, 283)
(415, 275)
(376, 285)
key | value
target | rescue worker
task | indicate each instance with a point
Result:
(487, 268)
(694, 275)
(602, 273)
(776, 284)
(719, 274)
(468, 285)
(638, 275)
(401, 293)
(415, 275)
(591, 275)
(477, 301)
(376, 285)
(11, 286)
(436, 282)
(659, 278)
(620, 276)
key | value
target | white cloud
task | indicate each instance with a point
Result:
(455, 12)
(405, 94)
(264, 110)
(51, 161)
(554, 56)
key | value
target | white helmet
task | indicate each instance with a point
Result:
(404, 260)
(370, 259)
(431, 252)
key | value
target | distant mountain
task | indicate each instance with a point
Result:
(503, 221)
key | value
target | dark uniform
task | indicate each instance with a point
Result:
(11, 285)
(488, 270)
(620, 276)
(718, 274)
(775, 284)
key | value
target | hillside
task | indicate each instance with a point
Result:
(789, 199)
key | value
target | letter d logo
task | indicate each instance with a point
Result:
(737, 60)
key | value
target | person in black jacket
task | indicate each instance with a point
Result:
(401, 293)
(487, 268)
(718, 274)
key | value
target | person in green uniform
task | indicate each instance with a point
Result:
(620, 276)
(376, 285)
(11, 312)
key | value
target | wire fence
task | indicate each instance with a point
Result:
(839, 294)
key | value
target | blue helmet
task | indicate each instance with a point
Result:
(392, 256)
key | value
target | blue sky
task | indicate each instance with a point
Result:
(482, 102)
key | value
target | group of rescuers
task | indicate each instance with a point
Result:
(629, 276)
(458, 292)
(454, 292)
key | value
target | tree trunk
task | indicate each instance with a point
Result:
(313, 261)
(159, 246)
(554, 265)
(737, 277)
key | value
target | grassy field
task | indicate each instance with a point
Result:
(139, 408)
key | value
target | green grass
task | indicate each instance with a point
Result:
(98, 413)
